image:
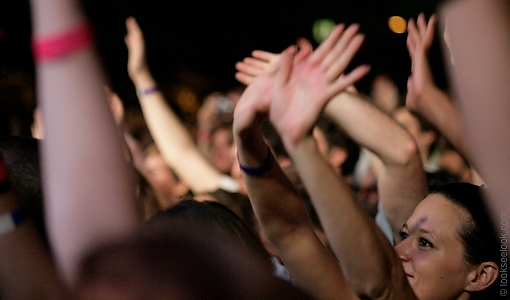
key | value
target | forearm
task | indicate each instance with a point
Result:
(284, 220)
(278, 218)
(442, 112)
(88, 191)
(370, 127)
(346, 223)
(401, 179)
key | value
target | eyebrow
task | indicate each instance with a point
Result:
(417, 227)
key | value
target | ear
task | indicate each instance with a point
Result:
(337, 157)
(482, 277)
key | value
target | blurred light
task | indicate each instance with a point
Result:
(397, 24)
(322, 28)
(186, 99)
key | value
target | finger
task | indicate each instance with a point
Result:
(243, 78)
(256, 63)
(305, 49)
(327, 44)
(285, 66)
(343, 82)
(429, 35)
(340, 64)
(248, 69)
(411, 46)
(264, 55)
(413, 38)
(340, 45)
(132, 26)
(422, 25)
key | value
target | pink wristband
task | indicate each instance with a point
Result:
(58, 45)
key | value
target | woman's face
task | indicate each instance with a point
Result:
(431, 251)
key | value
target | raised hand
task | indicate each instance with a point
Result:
(419, 40)
(254, 66)
(260, 61)
(306, 82)
(255, 100)
(137, 65)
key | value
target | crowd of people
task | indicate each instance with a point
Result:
(295, 186)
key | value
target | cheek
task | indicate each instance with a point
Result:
(419, 256)
(436, 265)
(424, 263)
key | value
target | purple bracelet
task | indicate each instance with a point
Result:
(264, 168)
(148, 91)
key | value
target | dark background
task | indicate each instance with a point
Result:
(196, 43)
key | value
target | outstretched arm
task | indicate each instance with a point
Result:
(88, 190)
(423, 96)
(170, 135)
(301, 92)
(480, 44)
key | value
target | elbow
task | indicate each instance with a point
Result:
(408, 153)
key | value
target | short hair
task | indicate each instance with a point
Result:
(217, 218)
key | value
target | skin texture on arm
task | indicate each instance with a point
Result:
(300, 93)
(88, 188)
(26, 268)
(480, 43)
(170, 135)
(277, 205)
(401, 180)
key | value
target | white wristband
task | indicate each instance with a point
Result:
(10, 220)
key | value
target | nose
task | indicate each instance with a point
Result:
(403, 248)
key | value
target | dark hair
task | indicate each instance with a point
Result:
(478, 235)
(183, 262)
(217, 219)
(21, 155)
(238, 203)
(439, 178)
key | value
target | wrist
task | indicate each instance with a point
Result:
(143, 80)
(261, 168)
(49, 47)
(308, 142)
(147, 91)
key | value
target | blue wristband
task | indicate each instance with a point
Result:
(266, 166)
(141, 93)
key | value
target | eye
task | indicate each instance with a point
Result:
(425, 243)
(403, 235)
